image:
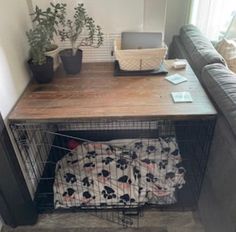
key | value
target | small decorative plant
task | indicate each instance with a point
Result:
(38, 41)
(49, 19)
(41, 36)
(40, 65)
(81, 31)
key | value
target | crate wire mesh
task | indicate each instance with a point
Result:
(44, 145)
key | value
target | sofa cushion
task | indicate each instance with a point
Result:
(220, 83)
(227, 48)
(199, 48)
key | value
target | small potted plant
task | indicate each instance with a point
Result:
(50, 19)
(81, 31)
(40, 65)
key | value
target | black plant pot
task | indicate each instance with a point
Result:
(42, 73)
(71, 63)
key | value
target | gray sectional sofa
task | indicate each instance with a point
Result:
(217, 204)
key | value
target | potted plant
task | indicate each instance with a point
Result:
(40, 65)
(80, 31)
(50, 18)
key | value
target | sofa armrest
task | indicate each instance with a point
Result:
(220, 83)
(199, 48)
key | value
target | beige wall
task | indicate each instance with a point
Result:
(115, 16)
(121, 15)
(177, 15)
(13, 52)
(154, 17)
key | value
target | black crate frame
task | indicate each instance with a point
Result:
(193, 136)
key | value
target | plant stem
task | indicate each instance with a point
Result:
(74, 48)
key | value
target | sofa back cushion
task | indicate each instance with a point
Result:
(199, 48)
(220, 83)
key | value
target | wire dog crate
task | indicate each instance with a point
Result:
(121, 166)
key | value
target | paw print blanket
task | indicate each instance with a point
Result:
(127, 172)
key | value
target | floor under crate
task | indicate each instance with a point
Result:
(152, 221)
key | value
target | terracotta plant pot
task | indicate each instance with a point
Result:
(42, 73)
(71, 63)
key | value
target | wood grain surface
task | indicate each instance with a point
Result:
(96, 93)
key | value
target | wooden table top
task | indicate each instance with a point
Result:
(96, 93)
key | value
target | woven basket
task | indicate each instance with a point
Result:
(139, 59)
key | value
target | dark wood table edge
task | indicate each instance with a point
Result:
(114, 118)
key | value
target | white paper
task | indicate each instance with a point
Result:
(181, 97)
(176, 79)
